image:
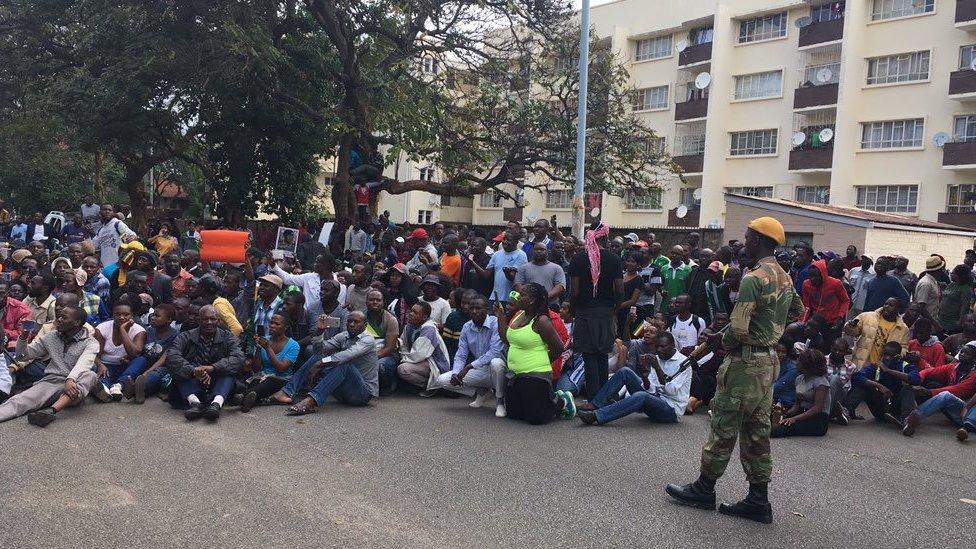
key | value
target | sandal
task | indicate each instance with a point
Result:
(300, 410)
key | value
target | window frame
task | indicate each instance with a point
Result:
(632, 200)
(808, 189)
(425, 217)
(757, 35)
(645, 93)
(962, 55)
(496, 201)
(905, 10)
(914, 75)
(907, 208)
(756, 84)
(756, 191)
(750, 147)
(559, 192)
(969, 133)
(895, 144)
(958, 190)
(655, 52)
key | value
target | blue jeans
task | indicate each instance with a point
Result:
(388, 374)
(298, 380)
(639, 400)
(119, 372)
(345, 383)
(156, 380)
(219, 385)
(950, 405)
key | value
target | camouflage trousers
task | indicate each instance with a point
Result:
(740, 409)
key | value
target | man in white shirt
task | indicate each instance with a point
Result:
(660, 389)
(110, 235)
(311, 283)
(685, 327)
(440, 308)
(859, 278)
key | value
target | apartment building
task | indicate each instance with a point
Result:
(867, 103)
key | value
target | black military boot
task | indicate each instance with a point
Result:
(754, 507)
(700, 494)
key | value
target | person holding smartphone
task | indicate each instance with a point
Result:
(273, 362)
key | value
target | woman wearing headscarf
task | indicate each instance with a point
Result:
(596, 286)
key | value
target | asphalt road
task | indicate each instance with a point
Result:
(407, 472)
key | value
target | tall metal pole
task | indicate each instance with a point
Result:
(584, 69)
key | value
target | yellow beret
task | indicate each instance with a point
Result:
(770, 227)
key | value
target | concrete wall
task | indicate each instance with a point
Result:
(918, 246)
(826, 235)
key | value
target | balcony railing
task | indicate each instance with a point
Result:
(821, 32)
(696, 53)
(812, 159)
(690, 110)
(966, 14)
(815, 96)
(962, 82)
(690, 163)
(959, 155)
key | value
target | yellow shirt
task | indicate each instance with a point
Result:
(227, 317)
(880, 338)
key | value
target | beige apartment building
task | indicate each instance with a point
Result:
(866, 103)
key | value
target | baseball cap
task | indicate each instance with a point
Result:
(715, 266)
(274, 280)
(418, 233)
(632, 237)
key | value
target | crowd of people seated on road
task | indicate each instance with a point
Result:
(528, 321)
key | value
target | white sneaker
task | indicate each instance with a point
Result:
(479, 400)
(500, 411)
(115, 391)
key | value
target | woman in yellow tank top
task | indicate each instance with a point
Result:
(532, 346)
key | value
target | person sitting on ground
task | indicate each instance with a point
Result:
(478, 367)
(451, 331)
(13, 313)
(160, 336)
(207, 292)
(121, 342)
(299, 323)
(953, 344)
(948, 389)
(926, 345)
(873, 329)
(330, 308)
(659, 388)
(39, 299)
(272, 365)
(533, 345)
(440, 308)
(384, 328)
(68, 377)
(356, 292)
(784, 388)
(344, 367)
(423, 355)
(73, 281)
(886, 387)
(840, 369)
(704, 377)
(203, 363)
(808, 415)
(685, 327)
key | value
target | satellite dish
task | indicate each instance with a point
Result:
(697, 193)
(703, 80)
(681, 212)
(824, 75)
(714, 223)
(826, 134)
(804, 22)
(799, 138)
(972, 65)
(681, 46)
(595, 212)
(940, 139)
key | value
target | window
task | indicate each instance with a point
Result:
(424, 216)
(701, 35)
(430, 65)
(810, 74)
(754, 142)
(759, 192)
(657, 145)
(759, 85)
(762, 28)
(888, 198)
(651, 98)
(830, 11)
(643, 199)
(652, 48)
(559, 199)
(906, 67)
(892, 134)
(964, 128)
(426, 174)
(966, 56)
(961, 199)
(687, 198)
(813, 195)
(491, 199)
(456, 201)
(890, 9)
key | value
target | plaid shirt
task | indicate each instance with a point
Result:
(92, 305)
(262, 315)
(100, 286)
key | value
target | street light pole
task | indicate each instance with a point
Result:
(584, 66)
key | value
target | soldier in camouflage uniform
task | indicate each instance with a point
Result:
(740, 409)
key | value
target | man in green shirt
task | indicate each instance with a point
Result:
(767, 301)
(675, 275)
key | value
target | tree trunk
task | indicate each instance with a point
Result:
(133, 186)
(98, 178)
(343, 201)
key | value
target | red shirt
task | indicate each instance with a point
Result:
(963, 386)
(933, 355)
(362, 195)
(563, 333)
(830, 299)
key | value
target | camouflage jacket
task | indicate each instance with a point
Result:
(767, 302)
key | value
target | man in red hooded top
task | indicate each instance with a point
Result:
(824, 295)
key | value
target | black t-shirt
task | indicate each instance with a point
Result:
(611, 268)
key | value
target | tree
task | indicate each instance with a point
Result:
(483, 89)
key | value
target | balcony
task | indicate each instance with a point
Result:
(691, 219)
(812, 160)
(815, 96)
(966, 15)
(822, 32)
(959, 155)
(694, 54)
(691, 110)
(962, 84)
(690, 163)
(960, 219)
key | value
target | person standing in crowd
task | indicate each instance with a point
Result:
(741, 406)
(111, 233)
(633, 289)
(801, 265)
(450, 259)
(311, 283)
(543, 272)
(474, 264)
(424, 260)
(164, 242)
(356, 292)
(899, 270)
(675, 274)
(502, 268)
(596, 286)
(928, 291)
(540, 235)
(884, 287)
(956, 299)
(851, 259)
(858, 278)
